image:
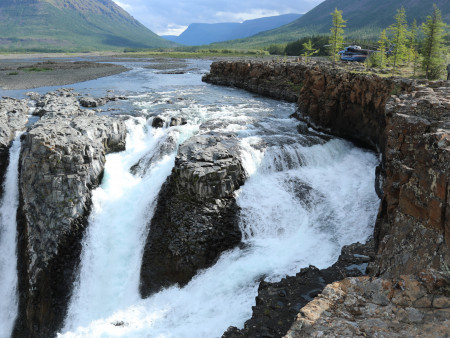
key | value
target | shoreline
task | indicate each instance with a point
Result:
(17, 75)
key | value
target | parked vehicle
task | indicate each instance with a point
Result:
(355, 53)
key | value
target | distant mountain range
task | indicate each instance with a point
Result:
(71, 25)
(203, 33)
(365, 20)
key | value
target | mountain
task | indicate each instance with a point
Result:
(203, 33)
(71, 25)
(365, 20)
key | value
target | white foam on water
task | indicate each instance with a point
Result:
(299, 206)
(8, 243)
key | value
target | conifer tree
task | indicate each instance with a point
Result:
(382, 44)
(308, 50)
(399, 32)
(433, 50)
(337, 33)
(413, 46)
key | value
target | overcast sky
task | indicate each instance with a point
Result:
(171, 17)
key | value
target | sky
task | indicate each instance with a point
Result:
(171, 17)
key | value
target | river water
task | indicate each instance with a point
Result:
(306, 196)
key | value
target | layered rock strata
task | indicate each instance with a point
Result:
(196, 213)
(408, 122)
(61, 161)
(13, 118)
(278, 80)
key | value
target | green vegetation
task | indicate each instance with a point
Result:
(308, 50)
(365, 21)
(71, 26)
(297, 47)
(337, 34)
(399, 31)
(433, 51)
(13, 73)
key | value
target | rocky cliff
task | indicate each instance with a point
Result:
(13, 118)
(61, 161)
(196, 214)
(408, 122)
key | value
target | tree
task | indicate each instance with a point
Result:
(337, 33)
(382, 45)
(413, 46)
(308, 50)
(399, 30)
(433, 50)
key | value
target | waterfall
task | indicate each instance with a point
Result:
(305, 195)
(8, 243)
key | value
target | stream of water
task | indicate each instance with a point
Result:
(305, 197)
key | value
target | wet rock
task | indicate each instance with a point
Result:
(278, 304)
(165, 146)
(158, 122)
(91, 102)
(177, 121)
(196, 214)
(13, 118)
(366, 307)
(61, 161)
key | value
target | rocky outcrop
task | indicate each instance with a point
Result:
(196, 213)
(408, 122)
(278, 80)
(413, 225)
(407, 306)
(278, 304)
(13, 118)
(91, 102)
(62, 160)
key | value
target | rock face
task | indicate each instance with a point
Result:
(278, 304)
(413, 225)
(407, 306)
(278, 80)
(408, 122)
(196, 214)
(62, 160)
(13, 117)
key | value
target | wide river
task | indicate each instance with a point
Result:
(306, 196)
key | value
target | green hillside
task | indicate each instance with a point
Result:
(71, 25)
(365, 20)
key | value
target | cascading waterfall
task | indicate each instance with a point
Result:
(8, 243)
(305, 195)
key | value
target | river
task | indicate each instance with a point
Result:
(306, 196)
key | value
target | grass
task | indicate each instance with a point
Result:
(13, 73)
(195, 54)
(37, 69)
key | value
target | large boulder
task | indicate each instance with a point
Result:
(196, 214)
(62, 160)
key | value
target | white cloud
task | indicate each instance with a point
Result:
(239, 17)
(173, 29)
(125, 6)
(171, 16)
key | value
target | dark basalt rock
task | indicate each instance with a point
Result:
(196, 214)
(158, 122)
(61, 161)
(278, 304)
(13, 117)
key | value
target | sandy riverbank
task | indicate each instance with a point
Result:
(33, 74)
